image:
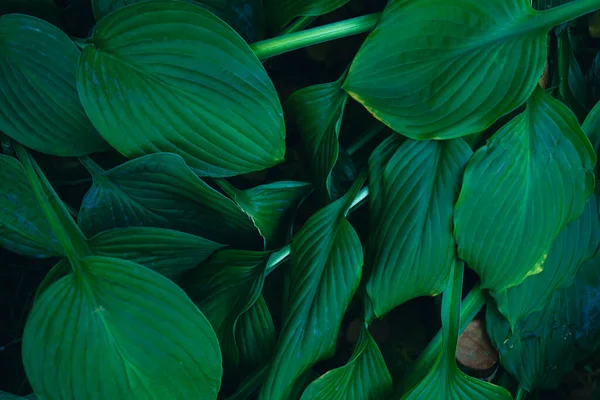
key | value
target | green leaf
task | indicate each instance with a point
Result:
(318, 112)
(165, 251)
(38, 97)
(271, 207)
(168, 76)
(365, 377)
(591, 126)
(520, 190)
(23, 225)
(282, 12)
(411, 242)
(255, 335)
(117, 330)
(10, 396)
(576, 243)
(434, 69)
(160, 190)
(326, 267)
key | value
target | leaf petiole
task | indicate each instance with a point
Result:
(521, 394)
(298, 25)
(557, 15)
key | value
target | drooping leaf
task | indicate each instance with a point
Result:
(435, 69)
(168, 76)
(282, 12)
(326, 267)
(519, 191)
(271, 207)
(38, 96)
(318, 112)
(364, 377)
(255, 335)
(23, 226)
(165, 251)
(411, 242)
(160, 190)
(116, 330)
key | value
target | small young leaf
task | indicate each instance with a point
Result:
(38, 97)
(519, 191)
(255, 335)
(281, 12)
(114, 329)
(168, 76)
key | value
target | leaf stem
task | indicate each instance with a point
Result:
(294, 41)
(369, 135)
(521, 393)
(93, 168)
(557, 15)
(227, 187)
(298, 25)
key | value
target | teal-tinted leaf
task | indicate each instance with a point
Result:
(318, 112)
(519, 191)
(365, 377)
(576, 243)
(255, 335)
(9, 396)
(117, 330)
(39, 104)
(271, 207)
(168, 76)
(23, 226)
(224, 288)
(165, 251)
(591, 126)
(159, 190)
(436, 69)
(281, 12)
(326, 267)
(411, 245)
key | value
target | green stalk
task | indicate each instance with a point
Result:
(521, 394)
(557, 15)
(94, 169)
(372, 132)
(294, 41)
(298, 25)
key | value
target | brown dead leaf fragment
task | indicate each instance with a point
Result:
(474, 350)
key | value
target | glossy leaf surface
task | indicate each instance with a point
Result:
(519, 191)
(116, 330)
(281, 12)
(166, 76)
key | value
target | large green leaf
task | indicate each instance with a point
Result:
(411, 242)
(281, 12)
(326, 267)
(39, 105)
(520, 190)
(318, 112)
(255, 335)
(365, 377)
(165, 251)
(160, 190)
(114, 329)
(23, 225)
(168, 76)
(437, 69)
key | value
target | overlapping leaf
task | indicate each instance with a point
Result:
(255, 335)
(326, 267)
(168, 76)
(411, 246)
(591, 127)
(115, 330)
(281, 12)
(9, 396)
(38, 97)
(439, 69)
(519, 191)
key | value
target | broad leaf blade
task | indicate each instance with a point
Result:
(281, 12)
(255, 335)
(117, 330)
(38, 97)
(165, 76)
(411, 246)
(532, 178)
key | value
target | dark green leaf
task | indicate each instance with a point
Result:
(411, 244)
(281, 12)
(117, 330)
(437, 69)
(9, 396)
(591, 127)
(255, 335)
(38, 97)
(520, 190)
(168, 76)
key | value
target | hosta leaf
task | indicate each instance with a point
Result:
(365, 377)
(23, 225)
(326, 267)
(271, 207)
(255, 335)
(159, 190)
(591, 127)
(318, 112)
(519, 191)
(168, 76)
(417, 189)
(437, 69)
(39, 104)
(165, 251)
(116, 330)
(281, 12)
(9, 396)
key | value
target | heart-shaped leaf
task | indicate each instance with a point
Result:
(114, 329)
(281, 12)
(411, 242)
(38, 97)
(520, 190)
(434, 69)
(168, 76)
